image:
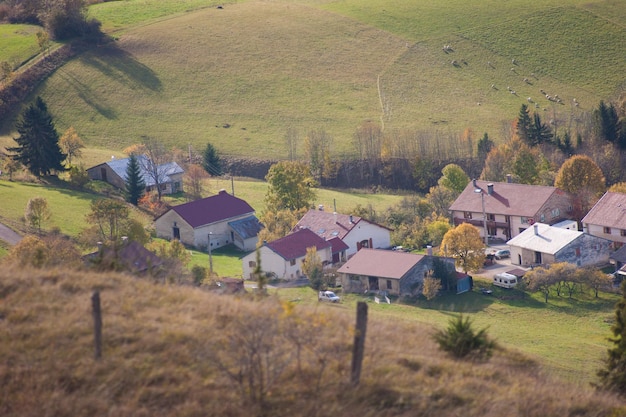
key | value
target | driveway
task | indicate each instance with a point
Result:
(8, 235)
(499, 266)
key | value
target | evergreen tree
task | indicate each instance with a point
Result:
(38, 142)
(539, 132)
(606, 122)
(211, 161)
(524, 125)
(613, 376)
(484, 146)
(135, 184)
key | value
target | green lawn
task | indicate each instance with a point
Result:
(18, 43)
(569, 337)
(226, 261)
(68, 207)
(254, 193)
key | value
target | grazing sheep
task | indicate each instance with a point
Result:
(513, 61)
(526, 80)
(512, 69)
(493, 86)
(454, 62)
(536, 105)
(513, 92)
(530, 100)
(532, 74)
(490, 64)
(542, 92)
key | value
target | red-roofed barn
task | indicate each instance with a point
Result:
(283, 257)
(226, 218)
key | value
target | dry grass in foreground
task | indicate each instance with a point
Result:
(179, 351)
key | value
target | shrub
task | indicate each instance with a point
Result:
(460, 340)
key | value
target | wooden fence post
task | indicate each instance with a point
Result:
(359, 343)
(97, 323)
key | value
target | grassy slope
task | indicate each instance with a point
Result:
(18, 43)
(183, 79)
(569, 337)
(162, 345)
(68, 207)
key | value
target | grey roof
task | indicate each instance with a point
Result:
(246, 228)
(548, 239)
(619, 255)
(119, 167)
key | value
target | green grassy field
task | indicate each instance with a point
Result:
(18, 43)
(68, 207)
(569, 337)
(238, 77)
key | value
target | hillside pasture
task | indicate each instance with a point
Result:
(240, 76)
(18, 43)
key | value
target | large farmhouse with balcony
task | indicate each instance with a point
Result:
(354, 231)
(509, 208)
(607, 218)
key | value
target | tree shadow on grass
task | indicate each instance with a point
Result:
(87, 94)
(121, 66)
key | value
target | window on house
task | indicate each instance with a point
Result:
(543, 218)
(467, 215)
(556, 213)
(163, 187)
(607, 230)
(491, 217)
(252, 264)
(507, 219)
(292, 262)
(389, 286)
(622, 232)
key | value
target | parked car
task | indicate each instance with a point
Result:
(502, 253)
(328, 296)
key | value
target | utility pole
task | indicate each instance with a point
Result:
(482, 200)
(210, 256)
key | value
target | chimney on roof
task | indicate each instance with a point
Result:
(223, 191)
(124, 240)
(320, 207)
(351, 219)
(335, 216)
(429, 250)
(509, 178)
(490, 188)
(474, 182)
(536, 227)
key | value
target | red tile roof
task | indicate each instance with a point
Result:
(329, 225)
(609, 211)
(338, 245)
(507, 198)
(380, 263)
(294, 245)
(213, 209)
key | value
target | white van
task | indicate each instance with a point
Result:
(505, 280)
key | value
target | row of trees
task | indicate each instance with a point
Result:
(564, 278)
(62, 19)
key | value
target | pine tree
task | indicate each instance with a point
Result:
(613, 376)
(135, 184)
(211, 160)
(38, 142)
(524, 125)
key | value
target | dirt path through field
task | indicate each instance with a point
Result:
(8, 235)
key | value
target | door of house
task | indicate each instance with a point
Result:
(176, 232)
(373, 283)
(538, 258)
(103, 174)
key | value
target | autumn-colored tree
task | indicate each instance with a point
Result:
(71, 144)
(194, 180)
(50, 251)
(78, 176)
(464, 244)
(36, 212)
(454, 178)
(277, 224)
(498, 163)
(317, 145)
(619, 187)
(594, 279)
(441, 198)
(431, 287)
(313, 269)
(11, 166)
(581, 177)
(109, 216)
(290, 186)
(135, 149)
